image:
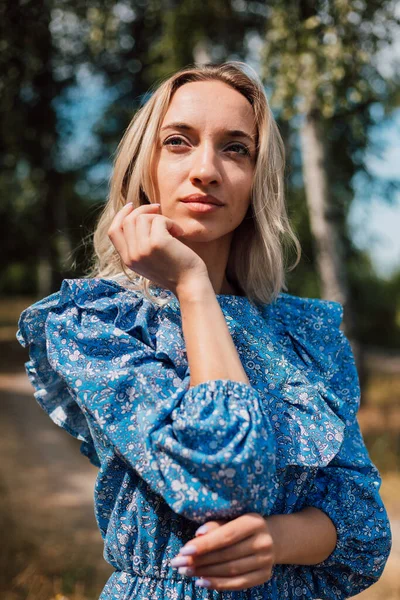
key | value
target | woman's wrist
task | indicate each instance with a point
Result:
(307, 537)
(194, 289)
(211, 352)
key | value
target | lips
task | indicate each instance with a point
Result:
(203, 198)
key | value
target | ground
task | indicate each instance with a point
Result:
(51, 543)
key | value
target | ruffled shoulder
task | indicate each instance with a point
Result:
(115, 304)
(313, 330)
(91, 296)
(312, 381)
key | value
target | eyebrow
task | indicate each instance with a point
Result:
(229, 132)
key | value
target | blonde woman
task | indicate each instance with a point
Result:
(220, 410)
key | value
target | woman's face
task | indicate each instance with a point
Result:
(206, 146)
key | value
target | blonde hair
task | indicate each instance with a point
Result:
(256, 262)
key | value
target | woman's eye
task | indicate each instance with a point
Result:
(239, 149)
(179, 142)
(173, 141)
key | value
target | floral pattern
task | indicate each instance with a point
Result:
(110, 367)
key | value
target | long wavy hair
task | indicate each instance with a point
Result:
(257, 259)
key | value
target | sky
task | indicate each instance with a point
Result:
(374, 222)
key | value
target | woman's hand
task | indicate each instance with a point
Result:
(146, 242)
(232, 555)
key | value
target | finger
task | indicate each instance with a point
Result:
(209, 526)
(127, 209)
(120, 215)
(165, 226)
(141, 228)
(241, 582)
(227, 535)
(130, 232)
(251, 546)
(233, 568)
(137, 233)
(115, 232)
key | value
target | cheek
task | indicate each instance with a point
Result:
(169, 175)
(239, 175)
(241, 200)
(241, 184)
(174, 162)
(237, 209)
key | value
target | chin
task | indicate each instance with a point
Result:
(200, 233)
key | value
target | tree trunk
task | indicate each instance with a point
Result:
(330, 265)
(325, 228)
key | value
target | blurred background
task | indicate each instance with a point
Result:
(72, 75)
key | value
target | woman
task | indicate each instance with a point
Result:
(204, 394)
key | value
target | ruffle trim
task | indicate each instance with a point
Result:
(51, 391)
(313, 328)
(307, 431)
(308, 419)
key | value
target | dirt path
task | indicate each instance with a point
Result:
(47, 492)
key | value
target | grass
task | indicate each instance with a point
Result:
(27, 574)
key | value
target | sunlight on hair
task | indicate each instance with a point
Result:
(256, 263)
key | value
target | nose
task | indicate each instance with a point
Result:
(204, 169)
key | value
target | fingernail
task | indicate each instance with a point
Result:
(202, 529)
(186, 571)
(129, 204)
(155, 204)
(188, 550)
(179, 561)
(203, 582)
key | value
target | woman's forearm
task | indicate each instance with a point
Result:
(210, 349)
(307, 537)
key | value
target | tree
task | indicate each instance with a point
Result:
(319, 61)
(30, 184)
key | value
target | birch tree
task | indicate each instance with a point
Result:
(319, 61)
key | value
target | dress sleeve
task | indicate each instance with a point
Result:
(347, 488)
(209, 451)
(348, 492)
(50, 391)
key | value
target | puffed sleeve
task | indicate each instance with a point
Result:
(209, 451)
(51, 391)
(348, 492)
(346, 489)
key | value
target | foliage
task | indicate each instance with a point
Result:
(322, 58)
(320, 54)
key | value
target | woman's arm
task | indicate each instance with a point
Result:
(210, 349)
(304, 538)
(242, 553)
(97, 377)
(347, 491)
(307, 537)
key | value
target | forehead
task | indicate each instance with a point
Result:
(210, 104)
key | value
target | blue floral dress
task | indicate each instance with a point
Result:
(110, 367)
